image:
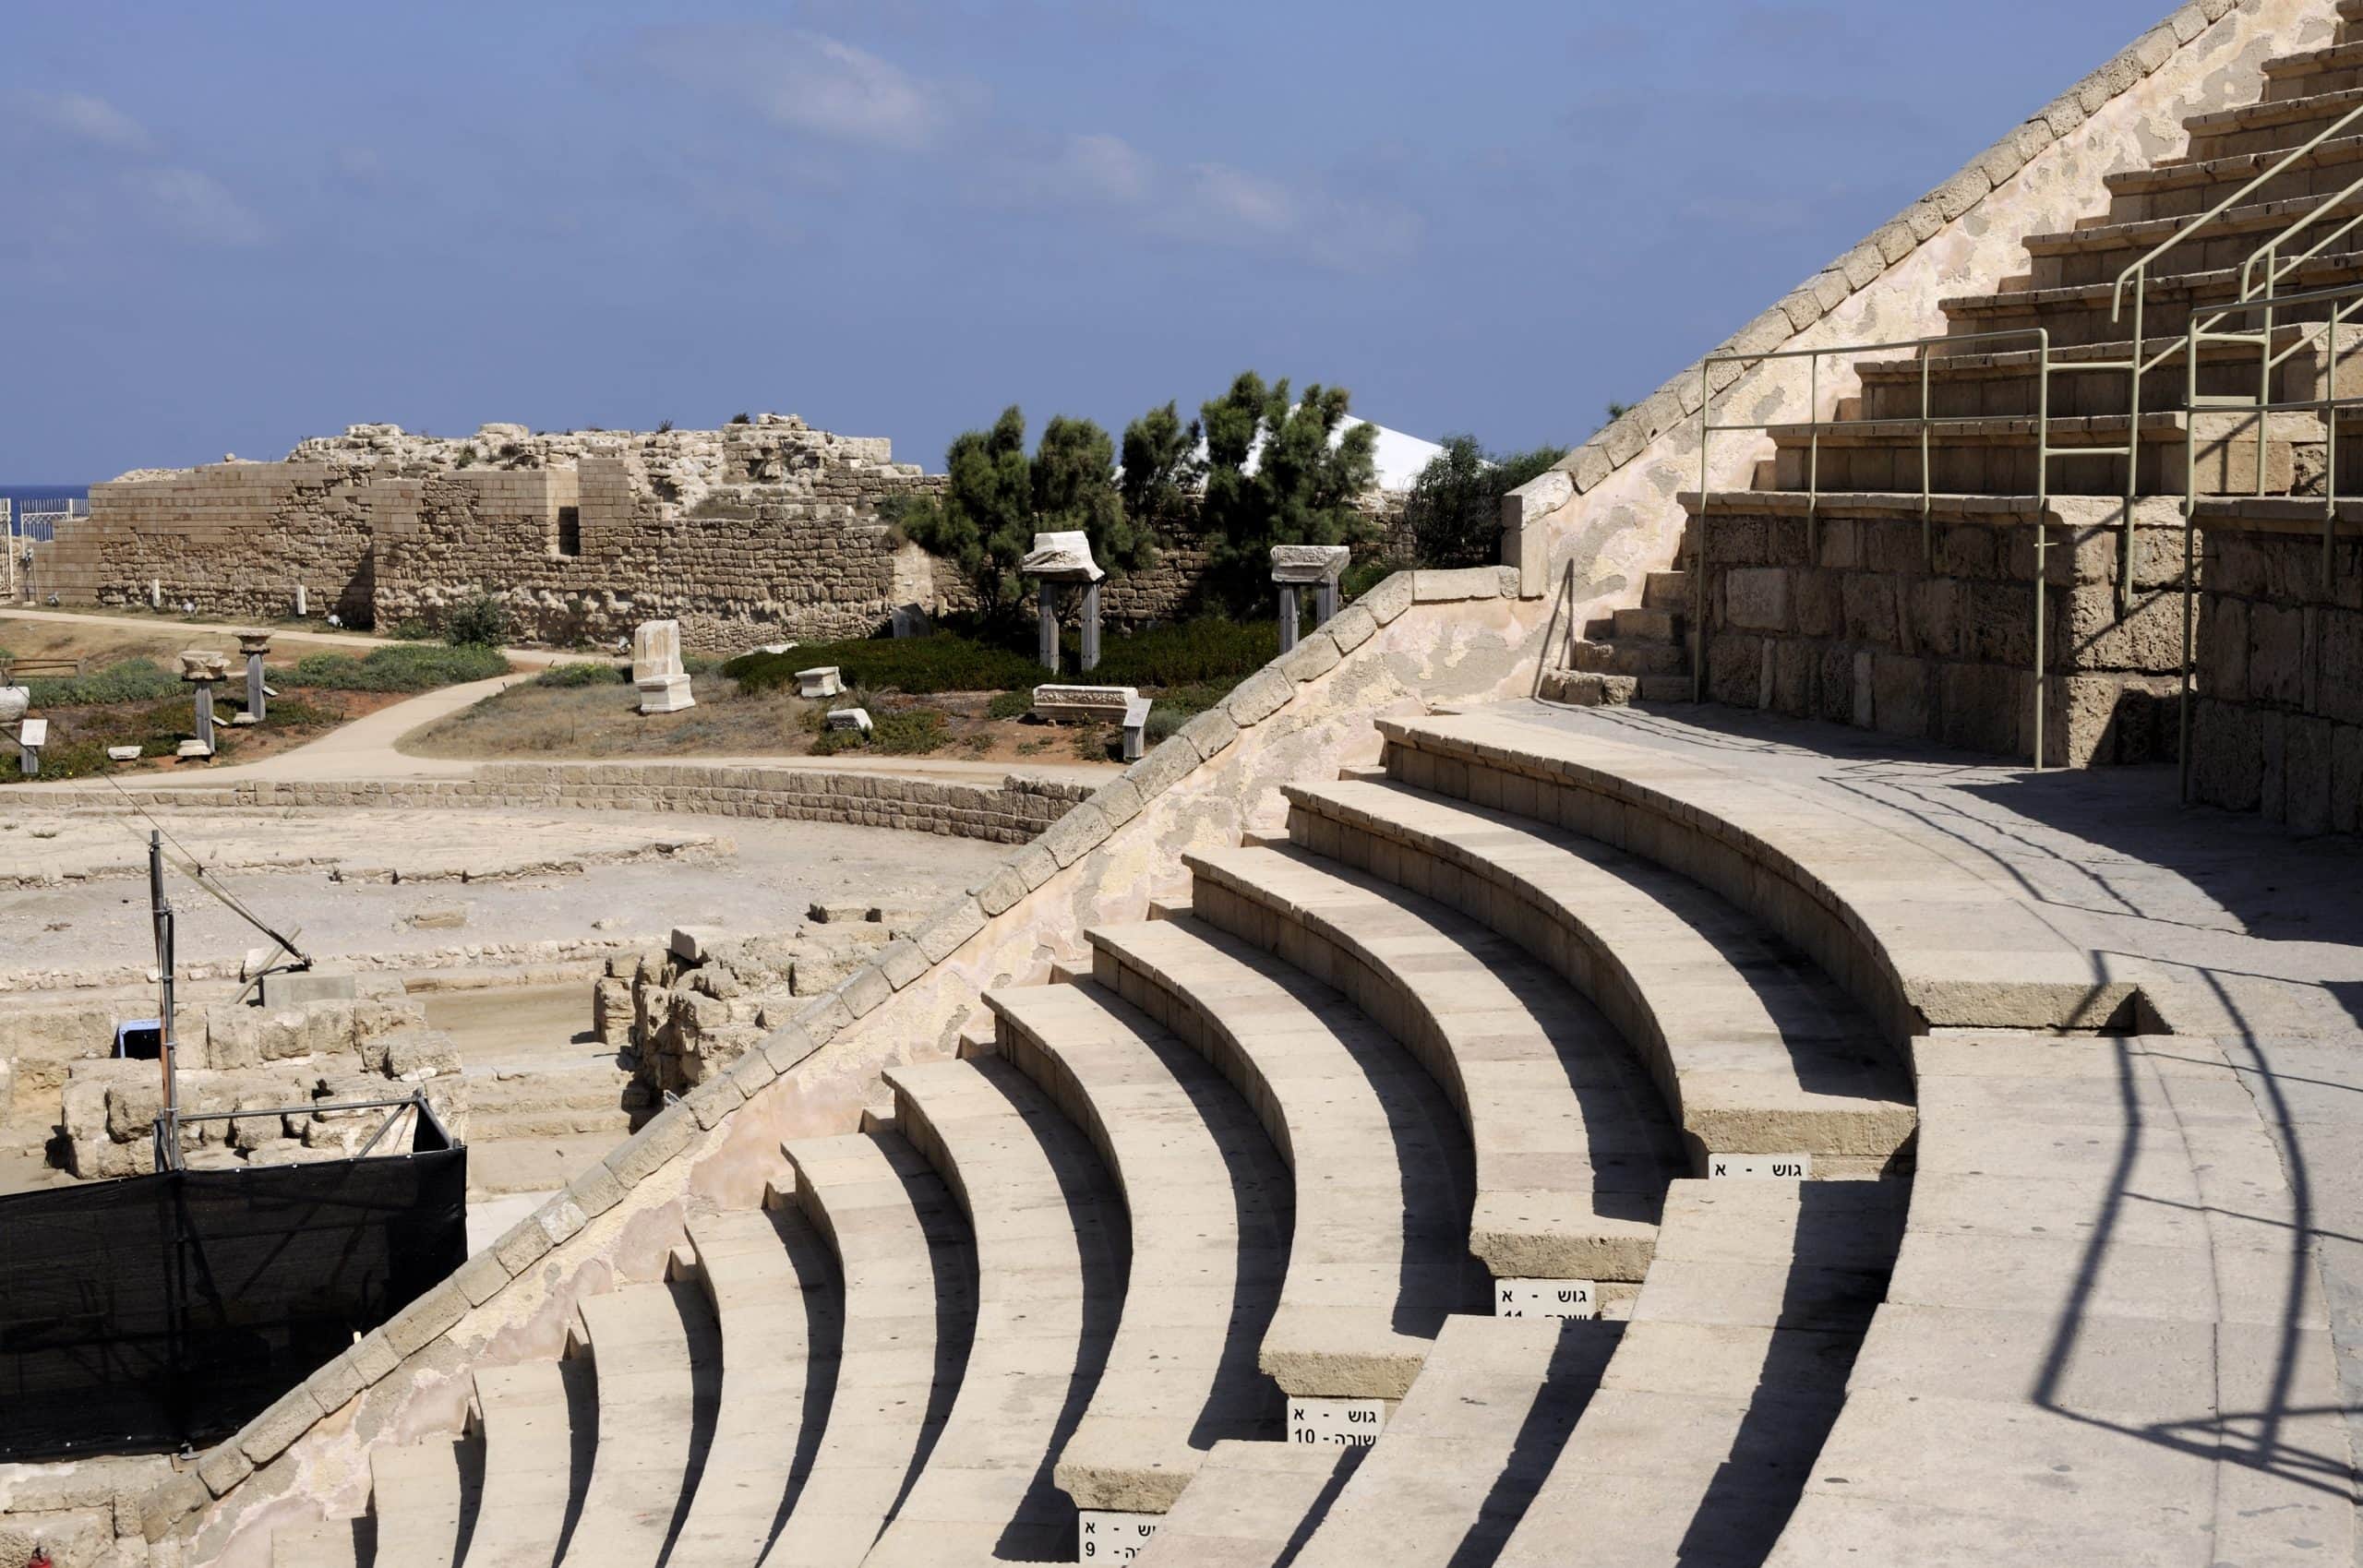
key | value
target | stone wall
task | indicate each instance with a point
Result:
(759, 531)
(1862, 622)
(2277, 714)
(1014, 811)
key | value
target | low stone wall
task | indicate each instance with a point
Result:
(1011, 812)
(1871, 625)
(2277, 715)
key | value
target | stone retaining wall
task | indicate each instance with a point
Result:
(1872, 627)
(2277, 719)
(1015, 811)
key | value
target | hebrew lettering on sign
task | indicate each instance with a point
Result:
(1342, 1423)
(1760, 1167)
(1105, 1535)
(1545, 1298)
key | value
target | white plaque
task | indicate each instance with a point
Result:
(33, 732)
(1545, 1298)
(1760, 1167)
(1103, 1534)
(1340, 1423)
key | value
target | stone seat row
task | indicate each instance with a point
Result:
(1266, 1150)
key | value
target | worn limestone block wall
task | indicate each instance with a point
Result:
(1417, 640)
(806, 557)
(2277, 718)
(1015, 811)
(1861, 622)
(1590, 529)
(235, 538)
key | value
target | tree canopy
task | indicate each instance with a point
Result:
(1453, 511)
(995, 499)
(1307, 474)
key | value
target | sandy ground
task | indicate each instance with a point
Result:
(778, 870)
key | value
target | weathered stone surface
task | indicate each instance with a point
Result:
(1309, 563)
(1062, 557)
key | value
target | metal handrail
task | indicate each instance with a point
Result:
(2344, 301)
(2046, 453)
(2135, 366)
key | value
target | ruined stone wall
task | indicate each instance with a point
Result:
(1864, 625)
(2277, 718)
(760, 532)
(235, 538)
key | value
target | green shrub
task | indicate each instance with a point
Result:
(918, 666)
(1010, 704)
(134, 680)
(585, 673)
(412, 630)
(1210, 648)
(913, 732)
(1363, 576)
(409, 666)
(480, 621)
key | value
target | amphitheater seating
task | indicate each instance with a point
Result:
(539, 1427)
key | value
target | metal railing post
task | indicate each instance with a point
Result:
(1927, 535)
(1698, 538)
(2043, 513)
(1812, 460)
(2189, 578)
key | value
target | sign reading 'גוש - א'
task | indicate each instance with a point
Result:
(1760, 1167)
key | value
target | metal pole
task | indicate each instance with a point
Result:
(1698, 530)
(2190, 575)
(162, 911)
(2043, 509)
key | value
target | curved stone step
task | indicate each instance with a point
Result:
(1717, 1397)
(910, 1281)
(422, 1502)
(330, 1544)
(1916, 938)
(1252, 1505)
(1051, 1252)
(2100, 1307)
(1755, 1049)
(1572, 1143)
(1211, 1209)
(540, 1424)
(1380, 1160)
(771, 1289)
(656, 1352)
(1462, 1457)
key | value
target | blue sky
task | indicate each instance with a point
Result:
(231, 225)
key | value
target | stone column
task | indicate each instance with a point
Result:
(200, 667)
(1046, 645)
(1287, 615)
(1325, 602)
(299, 602)
(1058, 558)
(254, 645)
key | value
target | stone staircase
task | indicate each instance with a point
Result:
(1866, 459)
(1310, 1159)
(1515, 1163)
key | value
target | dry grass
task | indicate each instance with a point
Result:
(591, 721)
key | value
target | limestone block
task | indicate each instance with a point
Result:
(821, 680)
(199, 664)
(665, 694)
(1756, 598)
(853, 719)
(1084, 704)
(413, 1054)
(14, 701)
(656, 651)
(1309, 563)
(1062, 557)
